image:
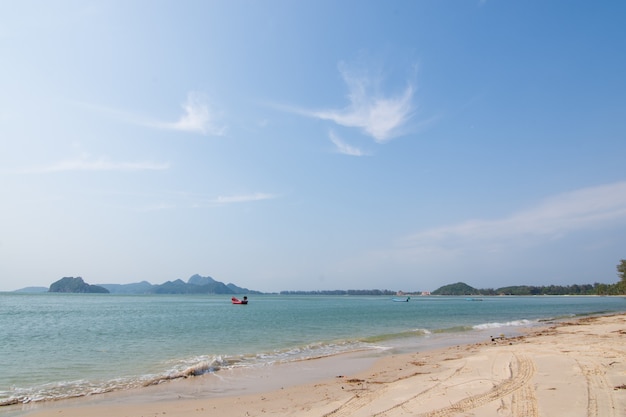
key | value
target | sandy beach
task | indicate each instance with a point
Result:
(571, 368)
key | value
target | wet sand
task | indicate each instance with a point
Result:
(572, 368)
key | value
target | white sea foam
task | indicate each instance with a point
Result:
(496, 325)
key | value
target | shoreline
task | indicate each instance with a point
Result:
(564, 368)
(231, 382)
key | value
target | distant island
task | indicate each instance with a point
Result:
(196, 284)
(33, 289)
(76, 285)
(461, 288)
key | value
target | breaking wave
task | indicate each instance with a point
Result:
(186, 368)
(497, 325)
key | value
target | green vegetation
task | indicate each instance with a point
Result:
(619, 288)
(621, 273)
(585, 289)
(75, 285)
(195, 285)
(460, 288)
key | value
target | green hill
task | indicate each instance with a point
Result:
(460, 288)
(75, 285)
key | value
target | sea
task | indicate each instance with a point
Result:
(55, 346)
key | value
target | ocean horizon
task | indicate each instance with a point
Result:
(58, 346)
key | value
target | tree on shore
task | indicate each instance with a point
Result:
(621, 273)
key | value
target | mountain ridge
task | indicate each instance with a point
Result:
(196, 284)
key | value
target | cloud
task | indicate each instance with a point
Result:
(86, 163)
(196, 118)
(380, 116)
(554, 218)
(343, 147)
(167, 200)
(243, 198)
(185, 200)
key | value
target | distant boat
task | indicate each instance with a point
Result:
(474, 299)
(236, 300)
(401, 300)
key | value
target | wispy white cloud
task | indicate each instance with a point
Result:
(243, 198)
(168, 200)
(380, 116)
(343, 147)
(197, 117)
(86, 163)
(556, 217)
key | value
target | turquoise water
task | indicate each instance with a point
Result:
(64, 345)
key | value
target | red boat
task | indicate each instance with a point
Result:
(236, 300)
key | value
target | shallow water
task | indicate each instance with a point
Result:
(63, 345)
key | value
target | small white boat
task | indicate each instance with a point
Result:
(401, 300)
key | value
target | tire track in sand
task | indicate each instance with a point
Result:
(359, 401)
(599, 394)
(520, 377)
(524, 403)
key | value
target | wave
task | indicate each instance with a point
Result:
(496, 325)
(398, 335)
(177, 369)
(575, 315)
(84, 387)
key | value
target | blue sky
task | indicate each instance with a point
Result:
(304, 145)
